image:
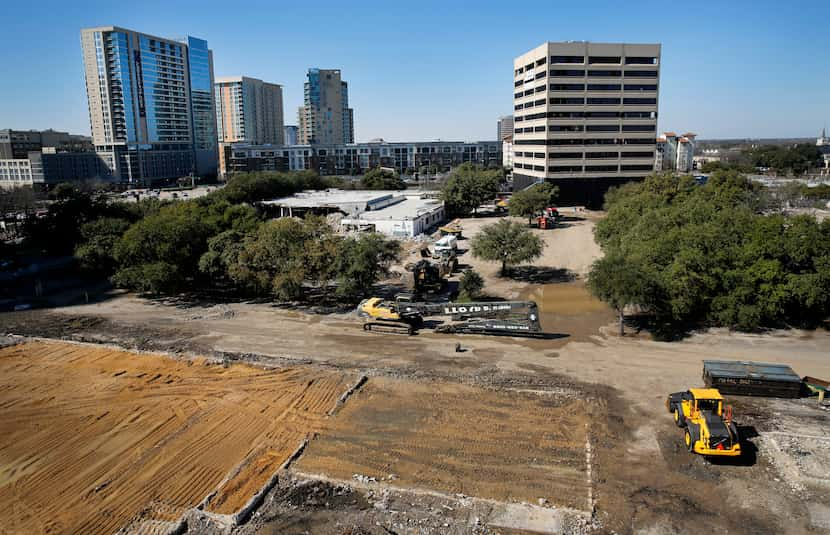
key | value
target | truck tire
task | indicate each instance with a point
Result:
(679, 419)
(691, 436)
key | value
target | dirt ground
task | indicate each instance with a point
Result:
(459, 439)
(643, 479)
(95, 439)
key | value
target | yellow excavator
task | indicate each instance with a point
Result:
(405, 316)
(709, 429)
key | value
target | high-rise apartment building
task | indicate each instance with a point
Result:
(585, 116)
(675, 153)
(289, 134)
(504, 127)
(325, 118)
(151, 105)
(248, 110)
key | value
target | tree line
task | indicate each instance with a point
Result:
(710, 255)
(221, 242)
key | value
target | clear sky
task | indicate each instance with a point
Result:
(443, 70)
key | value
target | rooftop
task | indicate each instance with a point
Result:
(410, 207)
(330, 198)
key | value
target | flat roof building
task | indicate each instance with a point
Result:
(248, 110)
(325, 117)
(585, 116)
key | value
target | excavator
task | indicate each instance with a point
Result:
(405, 316)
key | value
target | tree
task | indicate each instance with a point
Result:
(619, 282)
(533, 200)
(361, 262)
(382, 179)
(507, 242)
(471, 284)
(96, 250)
(469, 186)
(258, 186)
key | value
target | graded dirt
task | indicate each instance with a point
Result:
(94, 439)
(502, 445)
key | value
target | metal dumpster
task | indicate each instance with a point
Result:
(751, 378)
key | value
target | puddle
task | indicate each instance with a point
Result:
(568, 308)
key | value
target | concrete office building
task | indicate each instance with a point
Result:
(49, 167)
(504, 127)
(17, 144)
(357, 158)
(151, 105)
(290, 134)
(585, 116)
(325, 118)
(248, 110)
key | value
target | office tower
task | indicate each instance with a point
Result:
(289, 134)
(585, 116)
(325, 118)
(249, 110)
(504, 127)
(151, 105)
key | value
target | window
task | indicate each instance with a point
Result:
(565, 155)
(604, 101)
(639, 115)
(532, 116)
(538, 154)
(636, 168)
(528, 92)
(637, 154)
(641, 74)
(567, 72)
(517, 95)
(565, 169)
(639, 101)
(540, 89)
(602, 128)
(539, 102)
(565, 114)
(519, 118)
(605, 73)
(520, 70)
(567, 101)
(602, 114)
(567, 87)
(539, 129)
(604, 87)
(567, 59)
(638, 128)
(518, 107)
(604, 59)
(640, 60)
(541, 61)
(639, 141)
(602, 155)
(540, 75)
(602, 168)
(565, 128)
(518, 83)
(640, 87)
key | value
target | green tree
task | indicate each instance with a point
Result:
(532, 201)
(619, 282)
(507, 242)
(258, 186)
(382, 179)
(361, 262)
(469, 186)
(470, 285)
(96, 250)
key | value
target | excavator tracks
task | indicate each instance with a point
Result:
(390, 328)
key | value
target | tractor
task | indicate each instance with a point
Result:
(709, 429)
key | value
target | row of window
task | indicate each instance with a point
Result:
(584, 168)
(586, 142)
(591, 74)
(588, 87)
(587, 155)
(588, 128)
(607, 60)
(584, 114)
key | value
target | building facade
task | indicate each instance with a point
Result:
(675, 153)
(357, 158)
(151, 106)
(325, 118)
(504, 127)
(48, 168)
(17, 144)
(249, 110)
(585, 116)
(823, 144)
(289, 134)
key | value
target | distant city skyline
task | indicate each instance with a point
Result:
(737, 70)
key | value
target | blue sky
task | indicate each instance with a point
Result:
(428, 70)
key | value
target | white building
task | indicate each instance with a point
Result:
(823, 144)
(399, 214)
(675, 153)
(15, 173)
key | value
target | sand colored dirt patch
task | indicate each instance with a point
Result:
(94, 439)
(455, 438)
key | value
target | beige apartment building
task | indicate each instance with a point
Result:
(325, 117)
(248, 110)
(585, 116)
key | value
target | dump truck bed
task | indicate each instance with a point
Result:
(751, 378)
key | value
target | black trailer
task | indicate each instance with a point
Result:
(751, 378)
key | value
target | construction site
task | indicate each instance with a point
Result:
(136, 415)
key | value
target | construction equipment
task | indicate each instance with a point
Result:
(709, 429)
(452, 228)
(751, 378)
(405, 316)
(550, 216)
